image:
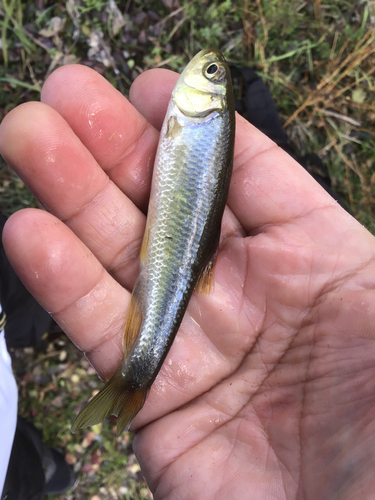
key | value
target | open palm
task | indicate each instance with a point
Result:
(268, 391)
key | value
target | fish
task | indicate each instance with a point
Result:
(189, 190)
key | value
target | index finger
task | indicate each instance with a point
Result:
(120, 139)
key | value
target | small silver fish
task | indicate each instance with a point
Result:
(190, 185)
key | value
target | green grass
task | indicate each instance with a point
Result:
(318, 58)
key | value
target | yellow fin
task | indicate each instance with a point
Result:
(133, 321)
(129, 408)
(145, 242)
(205, 282)
(116, 398)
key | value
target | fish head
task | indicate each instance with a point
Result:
(203, 86)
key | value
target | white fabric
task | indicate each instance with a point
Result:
(8, 408)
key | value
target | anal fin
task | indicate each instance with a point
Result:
(205, 282)
(133, 320)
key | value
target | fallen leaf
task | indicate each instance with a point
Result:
(88, 439)
(359, 95)
(70, 458)
(57, 402)
(62, 356)
(54, 26)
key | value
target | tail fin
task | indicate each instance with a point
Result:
(114, 399)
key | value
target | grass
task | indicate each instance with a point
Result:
(318, 58)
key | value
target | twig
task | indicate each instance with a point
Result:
(344, 118)
(351, 139)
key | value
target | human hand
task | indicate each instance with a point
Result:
(268, 390)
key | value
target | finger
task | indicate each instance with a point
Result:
(118, 137)
(268, 186)
(64, 176)
(162, 81)
(70, 283)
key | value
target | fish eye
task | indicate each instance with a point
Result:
(212, 70)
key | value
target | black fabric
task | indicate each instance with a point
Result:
(29, 464)
(63, 477)
(25, 475)
(26, 320)
(258, 107)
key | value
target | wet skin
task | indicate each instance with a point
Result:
(269, 388)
